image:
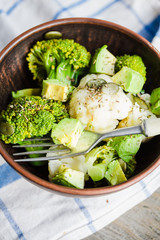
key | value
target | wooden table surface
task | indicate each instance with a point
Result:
(140, 223)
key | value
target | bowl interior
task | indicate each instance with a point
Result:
(92, 33)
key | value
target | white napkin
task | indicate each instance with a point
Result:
(28, 212)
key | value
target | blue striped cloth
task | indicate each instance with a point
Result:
(28, 212)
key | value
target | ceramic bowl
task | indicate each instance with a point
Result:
(91, 33)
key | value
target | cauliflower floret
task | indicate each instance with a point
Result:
(99, 105)
(89, 77)
(146, 97)
(135, 116)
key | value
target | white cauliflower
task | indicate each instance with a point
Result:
(135, 116)
(139, 112)
(99, 103)
(146, 97)
(89, 77)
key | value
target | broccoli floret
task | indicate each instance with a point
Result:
(134, 62)
(130, 167)
(30, 116)
(61, 59)
(97, 160)
(41, 123)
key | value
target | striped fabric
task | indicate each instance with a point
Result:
(27, 212)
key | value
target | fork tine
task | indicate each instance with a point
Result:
(50, 158)
(38, 145)
(65, 150)
(37, 139)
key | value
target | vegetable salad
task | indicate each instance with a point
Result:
(78, 94)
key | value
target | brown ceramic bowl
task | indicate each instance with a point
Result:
(92, 33)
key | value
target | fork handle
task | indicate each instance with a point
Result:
(149, 127)
(152, 127)
(124, 131)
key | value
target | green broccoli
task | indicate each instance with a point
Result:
(61, 59)
(134, 62)
(29, 116)
(130, 167)
(97, 160)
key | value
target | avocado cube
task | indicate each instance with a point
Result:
(67, 132)
(56, 89)
(26, 92)
(114, 173)
(130, 80)
(86, 139)
(103, 61)
(97, 171)
(69, 177)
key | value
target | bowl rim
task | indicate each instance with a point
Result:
(44, 183)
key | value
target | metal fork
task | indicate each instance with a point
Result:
(149, 127)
